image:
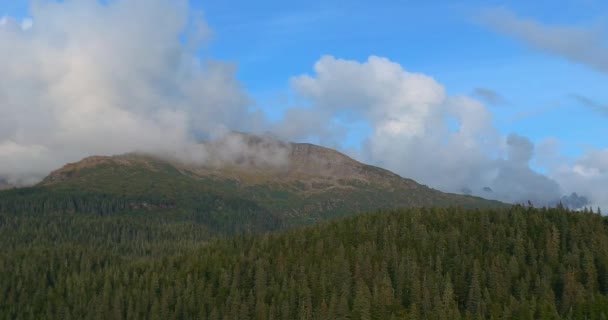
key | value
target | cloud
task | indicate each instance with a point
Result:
(411, 134)
(587, 176)
(489, 96)
(517, 184)
(84, 78)
(516, 181)
(520, 149)
(248, 151)
(583, 44)
(27, 24)
(574, 201)
(601, 109)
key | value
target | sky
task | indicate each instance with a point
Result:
(501, 99)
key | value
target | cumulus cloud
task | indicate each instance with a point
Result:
(410, 114)
(583, 44)
(520, 150)
(82, 78)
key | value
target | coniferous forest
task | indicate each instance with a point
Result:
(442, 263)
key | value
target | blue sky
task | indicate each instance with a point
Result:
(443, 39)
(545, 62)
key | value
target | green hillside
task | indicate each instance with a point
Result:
(517, 263)
(318, 183)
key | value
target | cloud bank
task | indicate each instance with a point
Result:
(88, 78)
(411, 116)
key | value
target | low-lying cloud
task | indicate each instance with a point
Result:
(588, 176)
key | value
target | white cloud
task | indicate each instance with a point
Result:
(408, 113)
(379, 88)
(106, 79)
(520, 150)
(27, 24)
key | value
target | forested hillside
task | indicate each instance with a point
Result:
(223, 214)
(518, 263)
(310, 184)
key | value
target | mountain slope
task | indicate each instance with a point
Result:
(297, 183)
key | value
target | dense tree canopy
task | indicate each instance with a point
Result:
(418, 263)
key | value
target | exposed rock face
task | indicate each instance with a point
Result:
(319, 161)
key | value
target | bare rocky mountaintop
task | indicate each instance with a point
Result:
(250, 160)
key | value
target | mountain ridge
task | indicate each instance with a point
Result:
(305, 161)
(298, 183)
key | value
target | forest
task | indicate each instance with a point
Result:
(440, 263)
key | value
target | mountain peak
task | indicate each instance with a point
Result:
(289, 179)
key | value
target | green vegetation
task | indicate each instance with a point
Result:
(110, 185)
(137, 237)
(222, 214)
(442, 263)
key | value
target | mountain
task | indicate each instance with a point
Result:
(140, 236)
(293, 183)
